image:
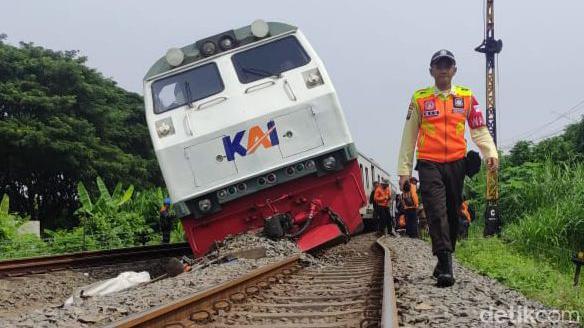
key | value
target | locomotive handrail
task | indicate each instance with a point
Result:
(188, 119)
(289, 91)
(212, 102)
(260, 86)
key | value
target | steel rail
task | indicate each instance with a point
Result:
(207, 299)
(43, 264)
(389, 317)
(204, 307)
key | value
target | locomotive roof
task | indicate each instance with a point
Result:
(192, 55)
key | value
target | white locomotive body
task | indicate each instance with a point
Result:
(246, 119)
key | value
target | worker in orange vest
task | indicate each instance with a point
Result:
(410, 204)
(464, 220)
(435, 124)
(382, 199)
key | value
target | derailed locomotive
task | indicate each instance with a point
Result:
(249, 134)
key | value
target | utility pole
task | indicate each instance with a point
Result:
(490, 47)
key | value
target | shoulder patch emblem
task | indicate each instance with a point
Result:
(410, 110)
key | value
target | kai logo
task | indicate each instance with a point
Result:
(256, 137)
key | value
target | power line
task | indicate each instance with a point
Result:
(549, 135)
(531, 132)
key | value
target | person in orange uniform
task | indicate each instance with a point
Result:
(410, 206)
(382, 199)
(435, 125)
(464, 220)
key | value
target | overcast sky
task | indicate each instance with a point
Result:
(377, 52)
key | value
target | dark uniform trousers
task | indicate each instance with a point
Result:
(441, 187)
(384, 219)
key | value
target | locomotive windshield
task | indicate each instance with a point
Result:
(186, 87)
(270, 59)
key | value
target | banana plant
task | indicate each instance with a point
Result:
(85, 200)
(4, 205)
(8, 223)
(106, 203)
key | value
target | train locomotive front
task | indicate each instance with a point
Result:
(249, 134)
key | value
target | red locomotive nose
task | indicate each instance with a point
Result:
(323, 210)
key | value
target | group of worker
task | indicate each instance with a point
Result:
(405, 207)
(435, 124)
(408, 214)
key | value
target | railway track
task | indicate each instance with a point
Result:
(44, 264)
(358, 292)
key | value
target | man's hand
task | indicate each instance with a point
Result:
(492, 164)
(402, 181)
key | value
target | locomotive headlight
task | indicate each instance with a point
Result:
(208, 48)
(290, 170)
(329, 163)
(222, 193)
(271, 178)
(164, 127)
(260, 28)
(312, 78)
(205, 205)
(226, 43)
(174, 56)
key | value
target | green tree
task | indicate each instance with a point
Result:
(62, 122)
(520, 153)
(575, 134)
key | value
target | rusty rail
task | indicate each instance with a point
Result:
(43, 264)
(195, 305)
(389, 317)
(358, 293)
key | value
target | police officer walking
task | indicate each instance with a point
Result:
(436, 122)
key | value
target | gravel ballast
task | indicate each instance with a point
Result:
(473, 301)
(101, 310)
(420, 302)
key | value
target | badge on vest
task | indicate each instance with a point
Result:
(458, 102)
(458, 105)
(431, 113)
(429, 105)
(430, 109)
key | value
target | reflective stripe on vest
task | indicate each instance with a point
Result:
(441, 135)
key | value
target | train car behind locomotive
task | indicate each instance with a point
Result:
(249, 134)
(372, 172)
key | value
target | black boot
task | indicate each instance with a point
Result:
(445, 277)
(437, 271)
